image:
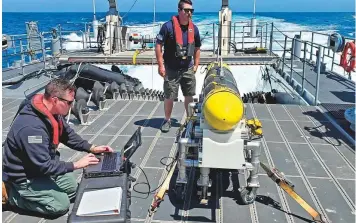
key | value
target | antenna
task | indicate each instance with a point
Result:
(94, 9)
(254, 8)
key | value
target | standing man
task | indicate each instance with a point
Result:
(35, 178)
(180, 61)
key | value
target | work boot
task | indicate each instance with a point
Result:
(166, 126)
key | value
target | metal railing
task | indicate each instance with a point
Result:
(304, 59)
(312, 44)
(268, 36)
(21, 52)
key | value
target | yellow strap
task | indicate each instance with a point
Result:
(211, 65)
(299, 200)
(137, 52)
(4, 194)
(165, 186)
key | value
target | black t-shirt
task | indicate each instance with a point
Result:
(167, 39)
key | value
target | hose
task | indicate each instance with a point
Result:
(336, 42)
(25, 77)
(260, 97)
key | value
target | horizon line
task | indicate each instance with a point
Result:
(175, 12)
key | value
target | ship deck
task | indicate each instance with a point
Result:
(312, 145)
(299, 140)
(336, 92)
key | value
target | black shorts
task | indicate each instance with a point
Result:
(185, 78)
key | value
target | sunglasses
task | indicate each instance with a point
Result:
(65, 100)
(188, 10)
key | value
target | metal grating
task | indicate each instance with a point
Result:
(337, 110)
(306, 151)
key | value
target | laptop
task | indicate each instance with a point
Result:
(112, 164)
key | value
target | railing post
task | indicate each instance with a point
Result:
(43, 50)
(229, 39)
(284, 53)
(214, 38)
(291, 61)
(333, 61)
(14, 45)
(234, 32)
(311, 47)
(317, 78)
(243, 36)
(261, 44)
(329, 48)
(266, 39)
(22, 57)
(271, 40)
(89, 36)
(305, 57)
(83, 39)
(30, 57)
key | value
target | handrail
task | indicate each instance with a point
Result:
(268, 32)
(268, 36)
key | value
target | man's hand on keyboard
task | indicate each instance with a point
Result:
(87, 160)
(101, 149)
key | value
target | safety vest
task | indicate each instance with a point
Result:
(181, 51)
(57, 127)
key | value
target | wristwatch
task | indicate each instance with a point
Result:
(92, 147)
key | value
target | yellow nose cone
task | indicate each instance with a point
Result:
(223, 110)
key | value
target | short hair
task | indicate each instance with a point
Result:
(57, 88)
(181, 3)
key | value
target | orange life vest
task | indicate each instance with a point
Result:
(57, 127)
(181, 51)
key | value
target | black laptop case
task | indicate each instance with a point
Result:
(89, 184)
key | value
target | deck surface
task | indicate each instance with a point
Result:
(333, 87)
(298, 140)
(336, 93)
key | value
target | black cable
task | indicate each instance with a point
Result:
(207, 32)
(233, 45)
(25, 77)
(147, 181)
(167, 165)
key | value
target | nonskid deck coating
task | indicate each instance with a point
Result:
(298, 140)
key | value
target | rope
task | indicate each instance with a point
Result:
(130, 9)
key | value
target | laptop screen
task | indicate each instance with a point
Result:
(132, 145)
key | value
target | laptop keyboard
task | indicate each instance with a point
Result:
(109, 162)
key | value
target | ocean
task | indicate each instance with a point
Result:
(74, 23)
(341, 22)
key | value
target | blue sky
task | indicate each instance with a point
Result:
(171, 5)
